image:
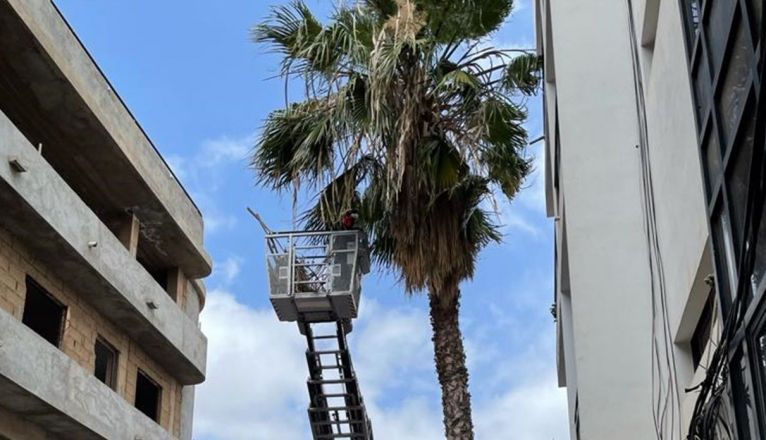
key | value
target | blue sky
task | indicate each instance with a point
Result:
(201, 90)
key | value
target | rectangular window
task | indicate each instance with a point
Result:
(106, 363)
(43, 313)
(701, 335)
(692, 16)
(148, 396)
(147, 256)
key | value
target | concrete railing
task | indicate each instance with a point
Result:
(65, 235)
(42, 384)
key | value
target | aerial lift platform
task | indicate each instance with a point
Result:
(315, 281)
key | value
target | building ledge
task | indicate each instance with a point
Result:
(65, 235)
(42, 384)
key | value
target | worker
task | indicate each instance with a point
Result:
(348, 221)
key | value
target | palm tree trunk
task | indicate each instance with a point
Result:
(449, 357)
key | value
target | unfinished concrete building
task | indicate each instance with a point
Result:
(101, 251)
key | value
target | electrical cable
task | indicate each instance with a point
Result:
(666, 405)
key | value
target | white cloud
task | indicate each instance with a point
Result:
(513, 219)
(515, 216)
(393, 357)
(215, 221)
(254, 387)
(532, 411)
(215, 218)
(393, 346)
(256, 371)
(228, 269)
(197, 167)
(225, 149)
(204, 172)
(177, 164)
(414, 418)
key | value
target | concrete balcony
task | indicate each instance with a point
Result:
(42, 384)
(70, 240)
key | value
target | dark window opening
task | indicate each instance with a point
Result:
(160, 275)
(755, 8)
(106, 363)
(148, 396)
(694, 12)
(738, 174)
(701, 335)
(692, 15)
(43, 314)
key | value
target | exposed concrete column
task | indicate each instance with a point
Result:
(128, 230)
(195, 299)
(177, 285)
(187, 412)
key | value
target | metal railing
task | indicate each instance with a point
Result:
(312, 262)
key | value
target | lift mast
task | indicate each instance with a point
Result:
(315, 281)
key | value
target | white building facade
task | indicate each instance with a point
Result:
(647, 105)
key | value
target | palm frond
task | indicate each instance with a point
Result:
(465, 19)
(357, 103)
(459, 79)
(442, 167)
(339, 195)
(288, 30)
(477, 227)
(376, 219)
(505, 139)
(481, 230)
(523, 74)
(382, 8)
(296, 142)
(341, 47)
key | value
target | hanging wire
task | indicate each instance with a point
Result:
(666, 401)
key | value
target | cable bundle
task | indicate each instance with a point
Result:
(666, 401)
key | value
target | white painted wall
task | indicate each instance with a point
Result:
(600, 178)
(605, 317)
(678, 184)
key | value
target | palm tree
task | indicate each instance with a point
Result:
(411, 118)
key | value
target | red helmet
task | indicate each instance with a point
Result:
(349, 219)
